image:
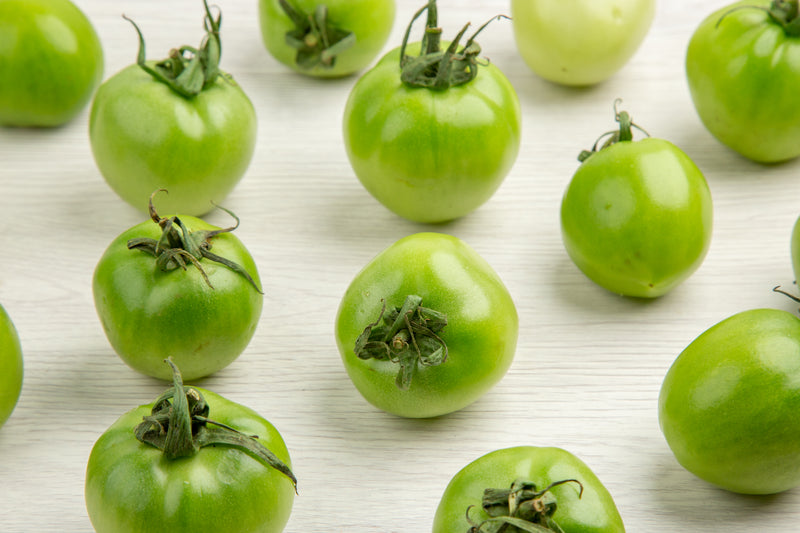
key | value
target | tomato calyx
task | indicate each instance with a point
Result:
(785, 13)
(179, 426)
(407, 336)
(316, 40)
(522, 508)
(187, 70)
(624, 133)
(434, 68)
(178, 244)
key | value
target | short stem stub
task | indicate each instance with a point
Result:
(522, 507)
(179, 426)
(318, 42)
(408, 336)
(188, 70)
(624, 133)
(435, 68)
(178, 245)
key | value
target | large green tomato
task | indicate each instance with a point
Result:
(193, 136)
(150, 477)
(427, 327)
(557, 487)
(636, 217)
(743, 69)
(729, 404)
(196, 299)
(51, 61)
(432, 147)
(579, 42)
(10, 366)
(325, 38)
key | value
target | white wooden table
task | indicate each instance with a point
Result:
(589, 364)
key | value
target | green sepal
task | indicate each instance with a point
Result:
(179, 426)
(177, 245)
(407, 336)
(623, 133)
(316, 40)
(187, 70)
(435, 68)
(520, 508)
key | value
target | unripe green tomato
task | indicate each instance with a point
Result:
(636, 217)
(729, 404)
(10, 366)
(51, 61)
(364, 24)
(577, 501)
(480, 335)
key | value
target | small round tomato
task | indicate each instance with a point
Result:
(636, 217)
(728, 405)
(325, 38)
(190, 461)
(10, 366)
(579, 42)
(177, 286)
(427, 327)
(51, 61)
(432, 136)
(554, 491)
(179, 124)
(743, 68)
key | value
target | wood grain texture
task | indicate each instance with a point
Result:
(589, 364)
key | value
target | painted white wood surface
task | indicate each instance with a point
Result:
(589, 364)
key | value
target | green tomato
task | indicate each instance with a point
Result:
(51, 61)
(728, 405)
(743, 68)
(579, 42)
(560, 487)
(193, 136)
(636, 217)
(432, 149)
(427, 327)
(150, 306)
(325, 38)
(10, 366)
(144, 477)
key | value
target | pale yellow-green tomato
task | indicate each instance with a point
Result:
(579, 42)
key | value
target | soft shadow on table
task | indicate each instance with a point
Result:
(700, 504)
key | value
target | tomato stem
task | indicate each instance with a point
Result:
(434, 68)
(624, 133)
(318, 42)
(407, 336)
(522, 506)
(181, 427)
(178, 244)
(187, 70)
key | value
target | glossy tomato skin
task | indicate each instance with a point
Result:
(729, 404)
(636, 217)
(132, 488)
(593, 512)
(743, 71)
(148, 314)
(51, 62)
(11, 366)
(579, 42)
(145, 136)
(431, 155)
(369, 20)
(451, 278)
